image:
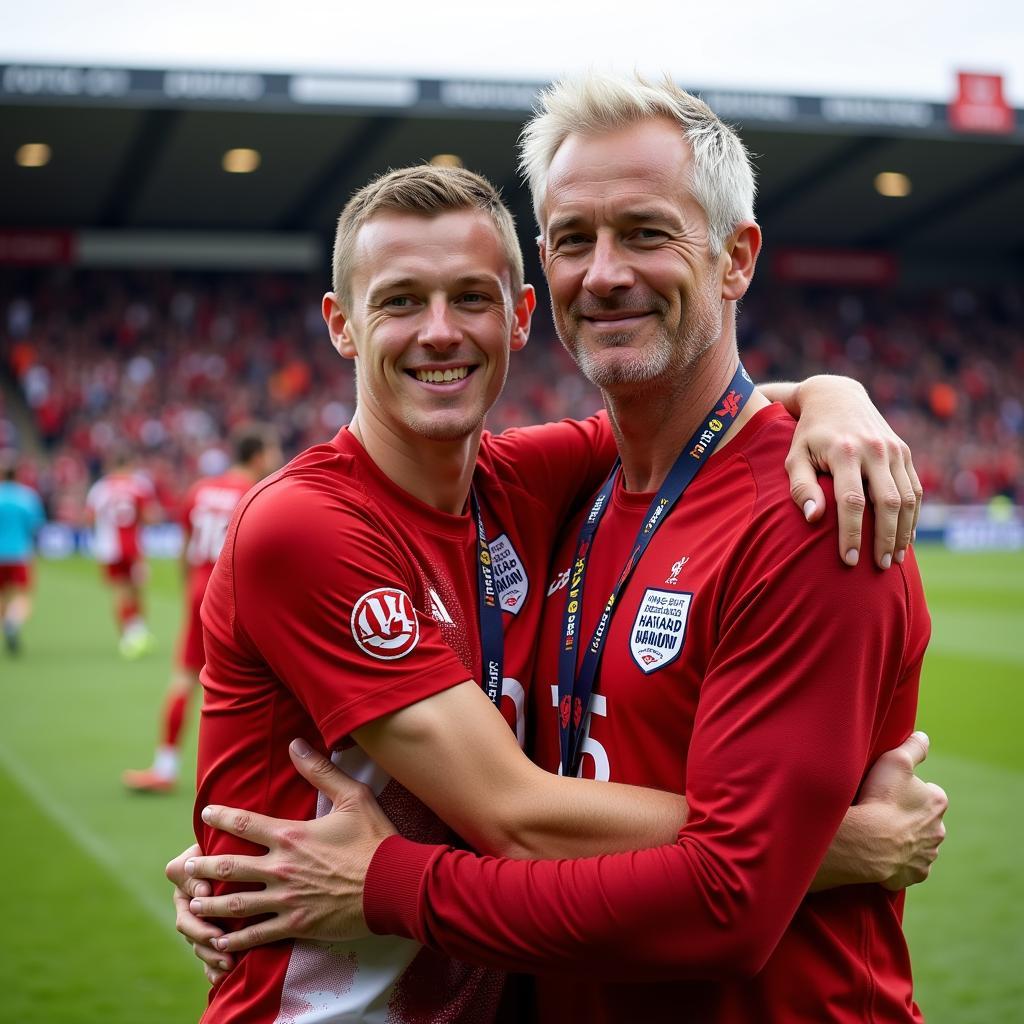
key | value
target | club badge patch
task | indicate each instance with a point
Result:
(659, 630)
(384, 624)
(510, 577)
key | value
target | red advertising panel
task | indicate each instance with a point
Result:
(26, 248)
(859, 267)
(980, 105)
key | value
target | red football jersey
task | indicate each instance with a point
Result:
(339, 598)
(117, 503)
(205, 515)
(748, 668)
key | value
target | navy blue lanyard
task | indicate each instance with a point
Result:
(576, 690)
(492, 634)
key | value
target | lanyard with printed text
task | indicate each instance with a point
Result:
(575, 690)
(492, 635)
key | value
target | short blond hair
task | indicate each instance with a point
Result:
(722, 178)
(425, 191)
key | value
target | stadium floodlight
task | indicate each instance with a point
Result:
(446, 160)
(241, 161)
(892, 184)
(33, 154)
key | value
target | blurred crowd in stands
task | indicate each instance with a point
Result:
(168, 363)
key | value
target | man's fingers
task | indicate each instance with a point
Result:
(228, 868)
(195, 929)
(257, 828)
(908, 505)
(941, 802)
(320, 772)
(908, 755)
(213, 958)
(804, 488)
(917, 488)
(175, 870)
(850, 502)
(199, 932)
(916, 745)
(886, 503)
(236, 904)
(198, 887)
(255, 935)
(214, 977)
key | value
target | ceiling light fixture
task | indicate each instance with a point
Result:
(241, 161)
(446, 160)
(33, 154)
(892, 184)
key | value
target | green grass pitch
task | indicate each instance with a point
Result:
(86, 931)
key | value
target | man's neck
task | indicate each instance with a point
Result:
(652, 424)
(438, 473)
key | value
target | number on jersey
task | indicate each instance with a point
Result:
(591, 748)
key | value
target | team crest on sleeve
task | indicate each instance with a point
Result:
(510, 577)
(659, 629)
(384, 624)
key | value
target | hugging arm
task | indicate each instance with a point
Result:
(890, 836)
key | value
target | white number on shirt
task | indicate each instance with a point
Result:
(513, 689)
(209, 527)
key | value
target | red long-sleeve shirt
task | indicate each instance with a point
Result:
(792, 674)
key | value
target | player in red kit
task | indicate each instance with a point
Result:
(117, 506)
(418, 537)
(342, 595)
(206, 513)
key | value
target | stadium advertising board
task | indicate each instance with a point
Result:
(978, 107)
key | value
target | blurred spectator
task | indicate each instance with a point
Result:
(171, 362)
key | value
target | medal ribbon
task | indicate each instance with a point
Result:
(492, 634)
(575, 690)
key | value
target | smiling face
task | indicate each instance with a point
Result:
(635, 292)
(430, 321)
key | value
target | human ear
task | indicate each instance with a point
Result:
(740, 257)
(523, 314)
(338, 326)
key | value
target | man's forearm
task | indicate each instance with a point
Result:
(579, 818)
(858, 853)
(788, 393)
(561, 817)
(515, 809)
(783, 392)
(484, 787)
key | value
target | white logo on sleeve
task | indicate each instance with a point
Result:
(509, 575)
(384, 624)
(659, 629)
(437, 608)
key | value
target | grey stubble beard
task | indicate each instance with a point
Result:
(700, 329)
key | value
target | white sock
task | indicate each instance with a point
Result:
(165, 764)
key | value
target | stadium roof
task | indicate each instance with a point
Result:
(142, 149)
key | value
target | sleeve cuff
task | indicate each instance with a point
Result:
(391, 895)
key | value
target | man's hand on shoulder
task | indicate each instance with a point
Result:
(312, 873)
(839, 431)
